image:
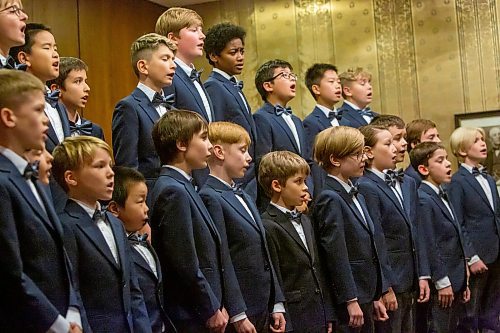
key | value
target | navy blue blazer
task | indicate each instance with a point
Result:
(196, 268)
(245, 238)
(133, 121)
(351, 249)
(444, 239)
(299, 271)
(152, 290)
(479, 221)
(110, 291)
(52, 140)
(411, 172)
(37, 276)
(186, 96)
(228, 106)
(398, 225)
(352, 116)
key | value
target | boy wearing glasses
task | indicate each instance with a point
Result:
(277, 127)
(12, 25)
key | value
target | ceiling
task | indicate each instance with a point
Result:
(170, 3)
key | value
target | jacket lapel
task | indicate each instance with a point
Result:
(287, 225)
(321, 118)
(63, 114)
(182, 77)
(282, 123)
(146, 105)
(475, 185)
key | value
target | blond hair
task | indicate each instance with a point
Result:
(351, 75)
(143, 47)
(338, 142)
(221, 132)
(15, 85)
(73, 153)
(462, 138)
(280, 165)
(176, 18)
(4, 3)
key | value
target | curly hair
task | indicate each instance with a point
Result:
(218, 36)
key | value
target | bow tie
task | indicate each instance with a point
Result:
(52, 98)
(136, 238)
(195, 75)
(335, 115)
(442, 194)
(194, 184)
(279, 110)
(353, 192)
(10, 63)
(393, 176)
(367, 112)
(84, 128)
(294, 216)
(237, 84)
(237, 189)
(31, 171)
(100, 214)
(479, 172)
(166, 101)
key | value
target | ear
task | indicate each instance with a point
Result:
(181, 146)
(315, 89)
(214, 58)
(369, 152)
(142, 66)
(276, 186)
(461, 153)
(70, 179)
(218, 152)
(172, 37)
(268, 87)
(114, 209)
(23, 58)
(7, 117)
(414, 144)
(423, 170)
(54, 86)
(334, 161)
(347, 90)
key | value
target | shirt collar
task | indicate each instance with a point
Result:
(19, 162)
(281, 208)
(148, 91)
(355, 107)
(380, 174)
(224, 74)
(325, 110)
(3, 60)
(182, 172)
(185, 67)
(347, 186)
(222, 181)
(89, 210)
(469, 168)
(432, 186)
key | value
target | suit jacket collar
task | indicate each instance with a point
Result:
(283, 221)
(142, 262)
(181, 75)
(51, 133)
(145, 104)
(439, 202)
(282, 123)
(322, 119)
(471, 179)
(353, 115)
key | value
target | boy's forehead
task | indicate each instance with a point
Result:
(440, 152)
(396, 130)
(163, 49)
(281, 69)
(9, 3)
(330, 73)
(43, 37)
(77, 73)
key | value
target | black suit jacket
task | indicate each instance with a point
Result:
(52, 140)
(110, 291)
(299, 271)
(351, 117)
(37, 277)
(245, 238)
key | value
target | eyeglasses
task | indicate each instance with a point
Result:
(285, 75)
(14, 9)
(359, 156)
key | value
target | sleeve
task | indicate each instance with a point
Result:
(125, 135)
(264, 142)
(310, 131)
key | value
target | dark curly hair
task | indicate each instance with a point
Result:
(219, 35)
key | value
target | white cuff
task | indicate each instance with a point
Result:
(279, 307)
(424, 278)
(238, 317)
(73, 316)
(473, 260)
(61, 325)
(443, 283)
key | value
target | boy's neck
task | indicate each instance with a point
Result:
(72, 112)
(356, 104)
(327, 104)
(274, 100)
(336, 172)
(277, 199)
(432, 181)
(148, 83)
(187, 60)
(12, 144)
(472, 163)
(182, 165)
(44, 80)
(4, 51)
(219, 171)
(75, 194)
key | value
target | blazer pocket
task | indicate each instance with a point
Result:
(293, 296)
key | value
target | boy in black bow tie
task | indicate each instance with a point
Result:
(292, 244)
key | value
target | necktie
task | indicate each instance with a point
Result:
(237, 189)
(166, 101)
(31, 171)
(52, 98)
(442, 194)
(479, 172)
(195, 75)
(353, 192)
(136, 238)
(367, 112)
(237, 84)
(100, 214)
(84, 128)
(294, 216)
(335, 115)
(279, 110)
(11, 64)
(393, 176)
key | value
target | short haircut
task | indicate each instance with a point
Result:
(124, 178)
(388, 120)
(7, 3)
(143, 47)
(218, 36)
(338, 142)
(280, 166)
(353, 74)
(221, 132)
(462, 138)
(175, 19)
(370, 133)
(15, 85)
(422, 152)
(74, 153)
(265, 74)
(66, 65)
(315, 73)
(415, 129)
(175, 126)
(31, 30)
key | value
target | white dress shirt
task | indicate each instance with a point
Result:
(334, 122)
(347, 187)
(55, 119)
(289, 121)
(150, 93)
(297, 226)
(355, 107)
(3, 60)
(187, 69)
(395, 189)
(146, 255)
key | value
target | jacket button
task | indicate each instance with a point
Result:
(317, 291)
(223, 270)
(266, 267)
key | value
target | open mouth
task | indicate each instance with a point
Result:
(56, 65)
(110, 186)
(448, 172)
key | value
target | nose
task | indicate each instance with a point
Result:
(86, 87)
(202, 35)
